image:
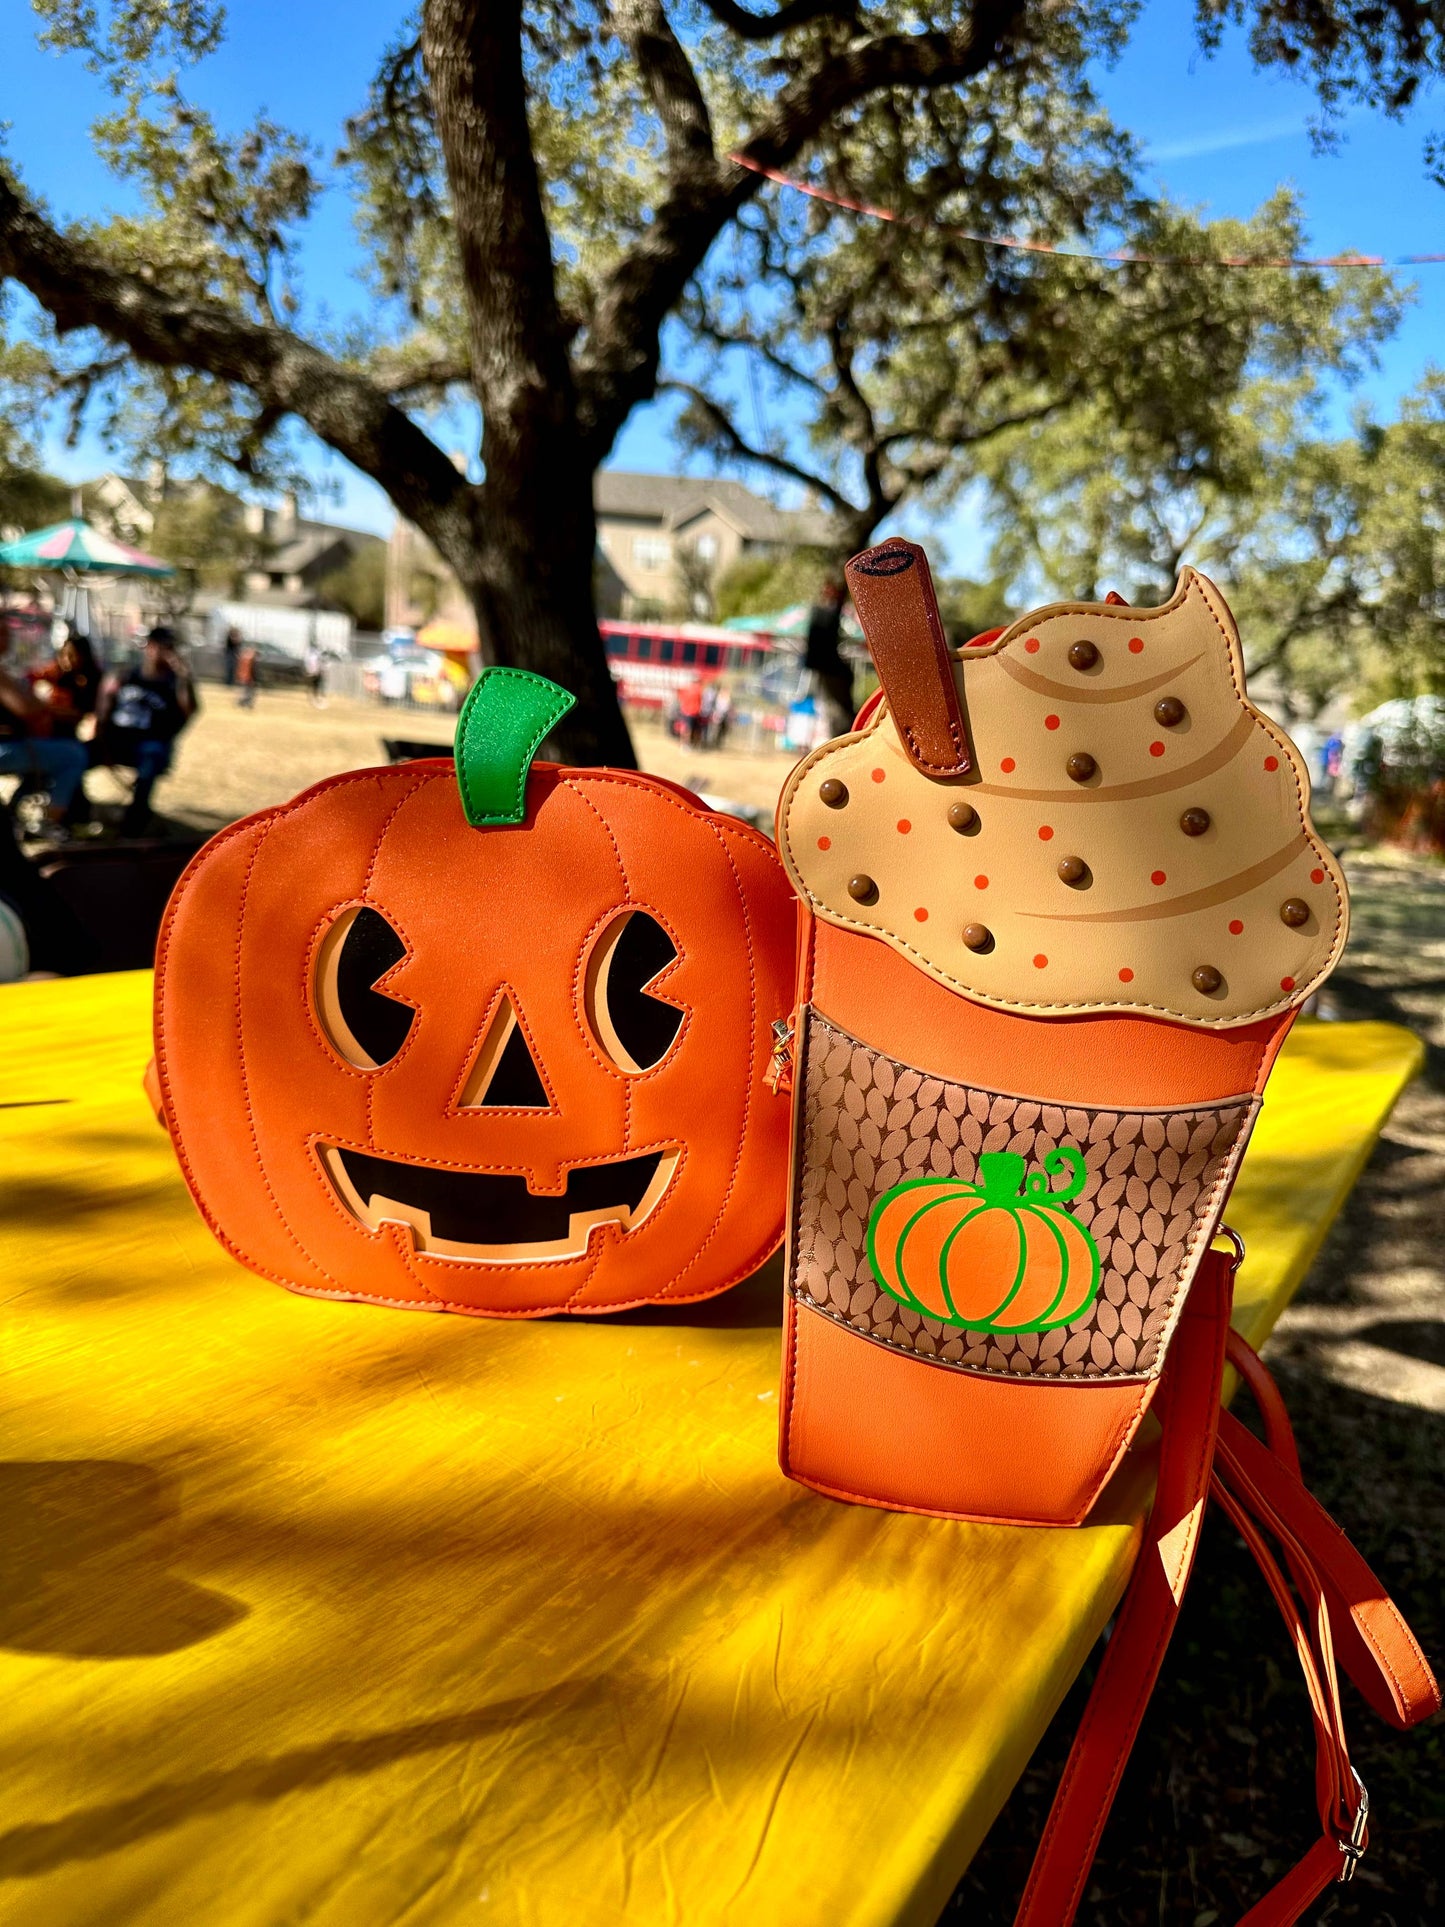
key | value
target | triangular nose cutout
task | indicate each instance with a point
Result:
(505, 1074)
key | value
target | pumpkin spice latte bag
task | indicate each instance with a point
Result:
(1066, 901)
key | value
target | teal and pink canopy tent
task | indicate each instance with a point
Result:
(80, 554)
(74, 547)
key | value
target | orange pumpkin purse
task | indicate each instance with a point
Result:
(486, 1038)
(1065, 902)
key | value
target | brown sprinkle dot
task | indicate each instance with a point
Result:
(1081, 766)
(962, 816)
(1194, 822)
(978, 936)
(1206, 980)
(833, 793)
(1073, 869)
(862, 889)
(1083, 655)
(1169, 712)
(1295, 912)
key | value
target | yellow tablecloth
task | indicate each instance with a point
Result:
(320, 1613)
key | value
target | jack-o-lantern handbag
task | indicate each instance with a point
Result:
(1066, 902)
(486, 1038)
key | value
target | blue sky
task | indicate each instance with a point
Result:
(1220, 137)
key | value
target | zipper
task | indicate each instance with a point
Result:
(779, 1074)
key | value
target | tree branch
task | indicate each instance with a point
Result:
(618, 363)
(744, 450)
(406, 380)
(671, 84)
(767, 26)
(79, 288)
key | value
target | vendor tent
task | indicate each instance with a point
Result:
(74, 547)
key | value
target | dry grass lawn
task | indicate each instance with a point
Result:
(232, 761)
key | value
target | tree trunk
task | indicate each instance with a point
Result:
(534, 529)
(530, 581)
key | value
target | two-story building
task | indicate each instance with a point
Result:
(660, 536)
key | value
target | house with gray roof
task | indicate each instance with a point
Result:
(655, 531)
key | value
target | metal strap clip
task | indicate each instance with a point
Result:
(1353, 1849)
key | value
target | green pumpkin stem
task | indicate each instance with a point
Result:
(1002, 1175)
(506, 718)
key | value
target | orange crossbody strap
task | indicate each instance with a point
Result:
(1188, 1405)
(1346, 1614)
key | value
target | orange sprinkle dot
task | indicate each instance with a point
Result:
(1041, 961)
(1126, 975)
(1317, 876)
(980, 883)
(1286, 983)
(1051, 722)
(904, 826)
(1136, 645)
(825, 842)
(1271, 762)
(1236, 928)
(1158, 876)
(1045, 832)
(1032, 645)
(1008, 766)
(921, 916)
(877, 776)
(1156, 749)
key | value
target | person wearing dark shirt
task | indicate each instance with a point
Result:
(139, 718)
(27, 747)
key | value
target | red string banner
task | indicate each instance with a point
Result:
(1117, 257)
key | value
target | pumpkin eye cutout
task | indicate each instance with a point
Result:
(634, 1028)
(362, 1024)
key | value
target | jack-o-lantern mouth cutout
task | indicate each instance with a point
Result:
(492, 1216)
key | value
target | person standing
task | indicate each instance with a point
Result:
(314, 664)
(139, 718)
(230, 649)
(246, 675)
(27, 747)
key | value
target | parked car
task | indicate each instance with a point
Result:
(277, 668)
(406, 673)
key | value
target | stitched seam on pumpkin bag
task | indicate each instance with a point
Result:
(187, 1168)
(813, 763)
(281, 1217)
(381, 836)
(752, 1074)
(595, 1246)
(578, 1001)
(260, 825)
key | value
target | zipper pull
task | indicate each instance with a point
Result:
(779, 1074)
